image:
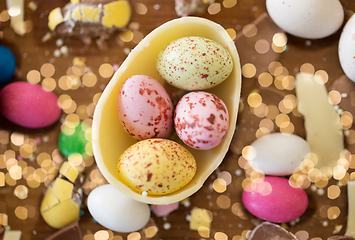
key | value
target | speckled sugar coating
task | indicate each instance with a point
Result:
(201, 120)
(194, 63)
(145, 108)
(156, 166)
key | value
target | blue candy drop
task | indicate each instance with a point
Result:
(7, 64)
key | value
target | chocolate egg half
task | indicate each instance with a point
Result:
(110, 139)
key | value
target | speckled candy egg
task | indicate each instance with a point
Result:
(194, 63)
(145, 108)
(156, 166)
(29, 105)
(274, 199)
(201, 120)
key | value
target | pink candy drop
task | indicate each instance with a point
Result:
(29, 105)
(275, 200)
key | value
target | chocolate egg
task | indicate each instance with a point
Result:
(110, 139)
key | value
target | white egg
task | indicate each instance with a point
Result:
(277, 154)
(116, 211)
(312, 19)
(347, 48)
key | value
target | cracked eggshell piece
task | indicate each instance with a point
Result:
(60, 205)
(58, 208)
(110, 139)
(55, 17)
(90, 18)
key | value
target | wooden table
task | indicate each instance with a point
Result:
(230, 219)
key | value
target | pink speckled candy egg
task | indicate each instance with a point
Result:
(201, 120)
(29, 105)
(275, 200)
(145, 108)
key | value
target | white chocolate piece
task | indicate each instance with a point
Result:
(55, 17)
(16, 11)
(110, 139)
(350, 229)
(322, 123)
(61, 205)
(192, 7)
(12, 235)
(200, 218)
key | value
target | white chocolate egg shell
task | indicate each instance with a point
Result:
(109, 138)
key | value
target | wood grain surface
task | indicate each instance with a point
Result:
(31, 53)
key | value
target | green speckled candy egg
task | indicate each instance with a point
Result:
(194, 63)
(156, 166)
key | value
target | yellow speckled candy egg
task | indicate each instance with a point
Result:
(156, 166)
(194, 63)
